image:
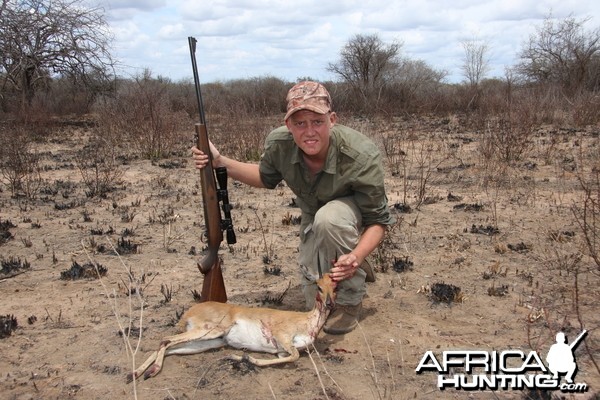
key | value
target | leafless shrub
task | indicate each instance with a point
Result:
(128, 215)
(167, 292)
(393, 148)
(575, 256)
(259, 96)
(141, 114)
(239, 113)
(581, 313)
(562, 52)
(42, 39)
(167, 218)
(396, 150)
(68, 97)
(376, 79)
(587, 212)
(83, 271)
(387, 249)
(34, 117)
(428, 157)
(414, 160)
(98, 166)
(268, 256)
(13, 266)
(277, 299)
(19, 164)
(586, 109)
(8, 323)
(507, 140)
(27, 242)
(241, 135)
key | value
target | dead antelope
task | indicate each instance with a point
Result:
(211, 325)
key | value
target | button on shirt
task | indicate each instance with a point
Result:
(353, 168)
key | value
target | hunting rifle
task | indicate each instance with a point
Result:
(213, 287)
(578, 339)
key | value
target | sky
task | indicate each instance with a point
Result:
(241, 39)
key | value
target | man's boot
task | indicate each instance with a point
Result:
(343, 319)
(366, 266)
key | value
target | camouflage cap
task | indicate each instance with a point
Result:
(308, 95)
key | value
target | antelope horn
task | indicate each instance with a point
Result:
(319, 265)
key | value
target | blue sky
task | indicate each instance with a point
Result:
(240, 39)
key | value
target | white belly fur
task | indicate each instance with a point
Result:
(249, 335)
(302, 341)
(252, 335)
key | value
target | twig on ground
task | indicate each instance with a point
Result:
(318, 374)
(131, 351)
(370, 353)
(325, 369)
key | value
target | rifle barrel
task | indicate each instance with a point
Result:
(192, 43)
(578, 339)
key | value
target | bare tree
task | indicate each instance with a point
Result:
(475, 67)
(476, 63)
(40, 39)
(3, 6)
(366, 64)
(563, 53)
(416, 77)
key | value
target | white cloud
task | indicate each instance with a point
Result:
(140, 5)
(246, 38)
(171, 31)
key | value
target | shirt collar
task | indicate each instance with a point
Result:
(332, 155)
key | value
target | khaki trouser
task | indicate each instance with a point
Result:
(335, 230)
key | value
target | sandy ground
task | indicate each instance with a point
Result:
(517, 286)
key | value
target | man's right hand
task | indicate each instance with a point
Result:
(244, 172)
(201, 159)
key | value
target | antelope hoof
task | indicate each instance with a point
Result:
(130, 377)
(152, 371)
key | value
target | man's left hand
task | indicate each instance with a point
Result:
(344, 267)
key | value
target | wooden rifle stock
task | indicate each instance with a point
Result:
(213, 287)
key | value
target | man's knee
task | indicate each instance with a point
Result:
(325, 218)
(337, 213)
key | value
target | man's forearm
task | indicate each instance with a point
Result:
(369, 240)
(244, 172)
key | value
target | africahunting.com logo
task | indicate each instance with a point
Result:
(506, 370)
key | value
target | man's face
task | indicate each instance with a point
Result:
(311, 131)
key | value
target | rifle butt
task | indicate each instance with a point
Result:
(213, 287)
(210, 259)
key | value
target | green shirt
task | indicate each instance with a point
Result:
(353, 168)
